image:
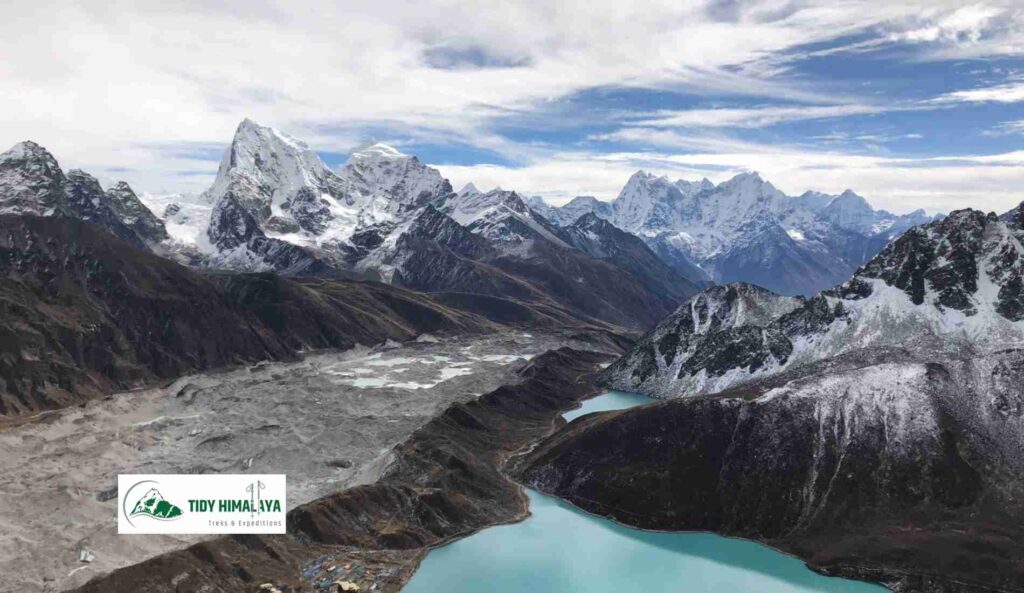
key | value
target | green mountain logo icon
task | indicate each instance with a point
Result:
(154, 505)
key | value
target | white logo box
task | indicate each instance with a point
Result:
(201, 503)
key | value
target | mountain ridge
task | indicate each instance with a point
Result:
(745, 230)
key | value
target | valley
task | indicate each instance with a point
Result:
(841, 384)
(330, 422)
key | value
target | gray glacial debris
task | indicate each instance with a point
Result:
(324, 421)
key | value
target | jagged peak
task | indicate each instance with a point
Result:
(752, 177)
(80, 175)
(249, 131)
(375, 151)
(590, 220)
(1015, 217)
(582, 200)
(27, 150)
(121, 187)
(469, 190)
(641, 176)
(849, 199)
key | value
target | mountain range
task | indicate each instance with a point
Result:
(275, 206)
(386, 216)
(746, 230)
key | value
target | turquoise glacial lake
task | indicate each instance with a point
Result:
(560, 549)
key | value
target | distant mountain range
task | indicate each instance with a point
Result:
(275, 206)
(746, 230)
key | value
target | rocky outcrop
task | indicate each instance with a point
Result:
(32, 183)
(131, 211)
(87, 201)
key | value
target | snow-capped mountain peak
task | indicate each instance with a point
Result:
(31, 181)
(273, 163)
(375, 151)
(402, 180)
(468, 190)
(273, 186)
(500, 216)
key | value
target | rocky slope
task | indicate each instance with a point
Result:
(32, 182)
(874, 430)
(602, 240)
(746, 230)
(950, 288)
(500, 216)
(130, 210)
(85, 313)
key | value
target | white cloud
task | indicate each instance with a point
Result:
(109, 84)
(137, 90)
(756, 117)
(1005, 93)
(964, 25)
(1006, 128)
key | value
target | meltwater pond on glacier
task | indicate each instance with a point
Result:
(560, 549)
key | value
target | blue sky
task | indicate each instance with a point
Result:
(910, 103)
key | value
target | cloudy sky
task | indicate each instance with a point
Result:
(911, 103)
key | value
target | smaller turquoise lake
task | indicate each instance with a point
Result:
(560, 549)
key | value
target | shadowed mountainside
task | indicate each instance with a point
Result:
(85, 314)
